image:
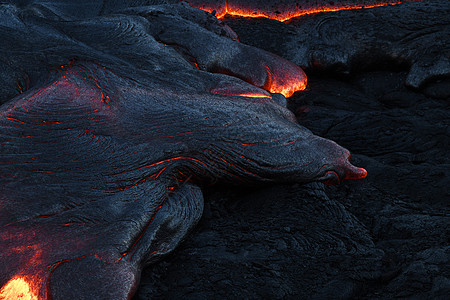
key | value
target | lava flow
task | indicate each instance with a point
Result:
(283, 12)
(17, 288)
(287, 78)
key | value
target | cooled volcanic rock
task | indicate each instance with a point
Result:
(94, 94)
(113, 125)
(411, 35)
(134, 39)
(384, 237)
(255, 243)
(415, 34)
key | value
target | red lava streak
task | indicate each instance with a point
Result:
(244, 94)
(255, 95)
(252, 12)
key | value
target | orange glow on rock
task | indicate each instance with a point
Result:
(241, 90)
(287, 90)
(230, 10)
(286, 80)
(251, 95)
(254, 95)
(17, 288)
(358, 173)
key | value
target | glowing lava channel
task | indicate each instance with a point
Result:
(286, 16)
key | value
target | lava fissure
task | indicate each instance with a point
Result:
(247, 12)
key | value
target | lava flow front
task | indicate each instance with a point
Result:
(278, 10)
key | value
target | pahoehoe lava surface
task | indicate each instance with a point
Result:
(384, 238)
(115, 113)
(112, 123)
(411, 36)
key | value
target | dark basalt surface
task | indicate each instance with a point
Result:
(412, 36)
(382, 237)
(111, 125)
(385, 237)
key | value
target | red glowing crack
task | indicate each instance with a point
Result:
(239, 10)
(18, 287)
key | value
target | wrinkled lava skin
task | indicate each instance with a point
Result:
(109, 132)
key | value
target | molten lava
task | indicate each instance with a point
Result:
(17, 288)
(285, 80)
(237, 9)
(254, 95)
(241, 90)
(288, 90)
(250, 94)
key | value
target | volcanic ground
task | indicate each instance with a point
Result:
(378, 85)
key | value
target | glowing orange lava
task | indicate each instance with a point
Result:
(287, 15)
(254, 95)
(243, 91)
(251, 95)
(288, 90)
(17, 288)
(285, 79)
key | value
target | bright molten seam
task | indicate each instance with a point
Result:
(287, 15)
(17, 288)
(254, 95)
(251, 95)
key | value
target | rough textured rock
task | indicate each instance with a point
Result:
(38, 41)
(384, 237)
(400, 135)
(105, 148)
(255, 243)
(412, 36)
